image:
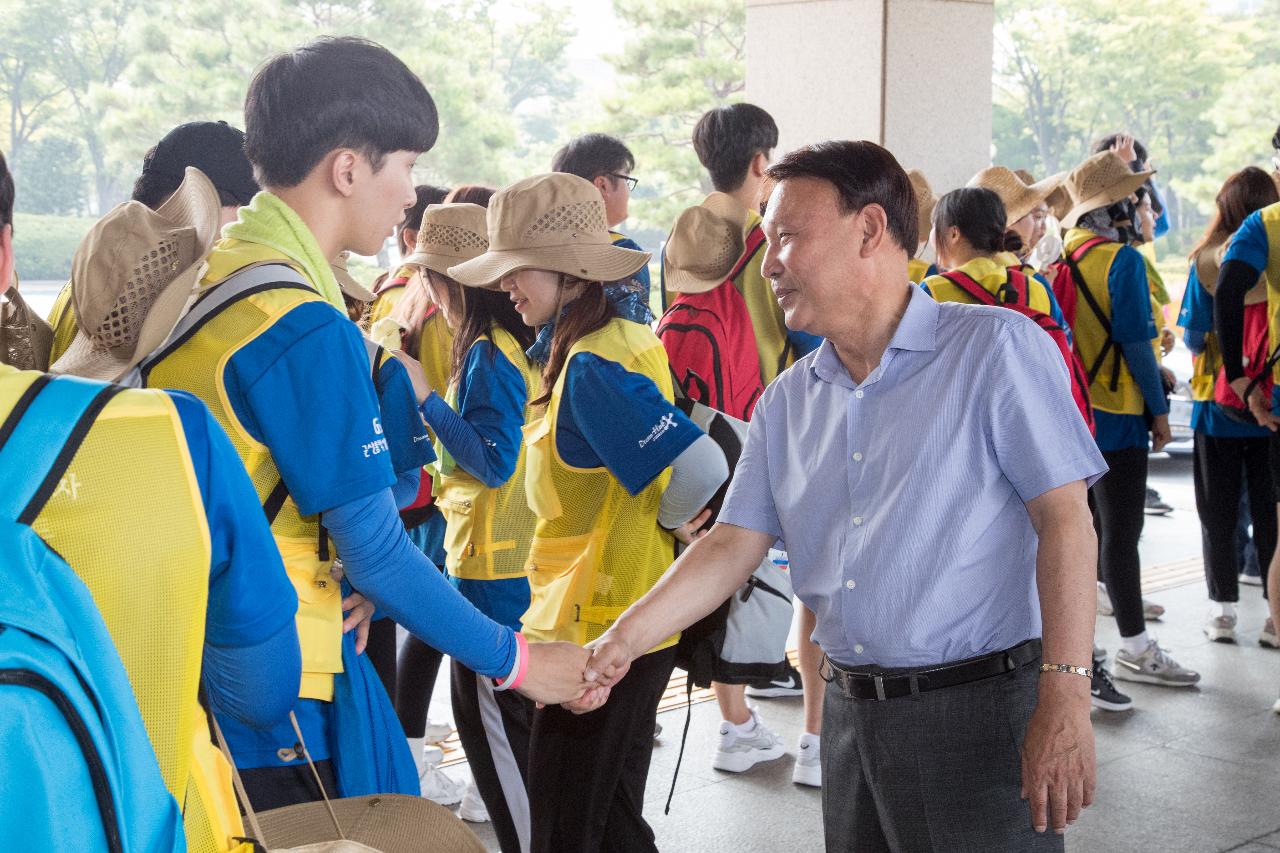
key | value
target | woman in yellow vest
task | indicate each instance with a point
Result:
(1117, 339)
(614, 473)
(478, 422)
(1228, 454)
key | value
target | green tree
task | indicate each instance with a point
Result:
(49, 176)
(27, 83)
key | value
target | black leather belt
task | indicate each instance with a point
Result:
(896, 683)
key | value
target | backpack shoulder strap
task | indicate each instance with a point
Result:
(252, 279)
(754, 240)
(969, 286)
(1016, 289)
(40, 437)
(1086, 247)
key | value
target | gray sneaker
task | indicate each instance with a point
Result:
(1221, 629)
(1154, 666)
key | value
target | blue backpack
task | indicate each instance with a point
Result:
(79, 772)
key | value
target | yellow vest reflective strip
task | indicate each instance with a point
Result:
(990, 276)
(1271, 221)
(489, 530)
(197, 366)
(1111, 387)
(148, 571)
(596, 549)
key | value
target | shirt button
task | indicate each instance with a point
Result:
(857, 457)
(857, 519)
(858, 649)
(850, 584)
(858, 394)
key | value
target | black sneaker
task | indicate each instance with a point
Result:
(1155, 504)
(788, 685)
(1103, 690)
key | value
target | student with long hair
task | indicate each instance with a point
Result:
(615, 472)
(480, 489)
(1228, 453)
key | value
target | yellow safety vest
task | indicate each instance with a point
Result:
(1113, 388)
(1271, 220)
(488, 530)
(62, 316)
(197, 366)
(991, 275)
(387, 299)
(596, 549)
(435, 349)
(917, 270)
(141, 545)
(1206, 366)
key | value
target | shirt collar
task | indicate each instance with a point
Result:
(917, 330)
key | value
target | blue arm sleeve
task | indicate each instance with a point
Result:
(406, 486)
(1131, 318)
(255, 685)
(383, 564)
(1142, 364)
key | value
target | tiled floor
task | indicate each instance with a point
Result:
(1194, 770)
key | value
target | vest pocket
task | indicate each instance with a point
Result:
(562, 574)
(319, 617)
(539, 486)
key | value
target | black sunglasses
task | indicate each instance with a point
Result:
(631, 182)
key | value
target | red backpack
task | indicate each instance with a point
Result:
(711, 344)
(1015, 295)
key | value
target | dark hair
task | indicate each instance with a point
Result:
(1275, 139)
(471, 194)
(153, 188)
(980, 215)
(425, 195)
(590, 312)
(1244, 192)
(728, 138)
(333, 93)
(863, 173)
(1110, 139)
(483, 309)
(6, 193)
(592, 155)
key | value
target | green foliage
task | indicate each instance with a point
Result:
(43, 246)
(49, 176)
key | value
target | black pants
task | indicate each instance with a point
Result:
(1222, 466)
(409, 679)
(273, 787)
(587, 773)
(494, 729)
(938, 773)
(1117, 501)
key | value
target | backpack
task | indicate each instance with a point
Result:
(91, 780)
(711, 346)
(1014, 295)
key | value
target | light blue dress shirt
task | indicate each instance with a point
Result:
(901, 498)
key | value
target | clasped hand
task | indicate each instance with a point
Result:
(580, 679)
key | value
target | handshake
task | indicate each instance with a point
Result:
(578, 678)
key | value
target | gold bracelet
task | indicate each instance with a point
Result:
(1066, 667)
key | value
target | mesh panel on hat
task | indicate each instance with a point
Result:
(155, 269)
(454, 236)
(576, 216)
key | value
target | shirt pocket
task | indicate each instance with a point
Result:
(539, 438)
(561, 578)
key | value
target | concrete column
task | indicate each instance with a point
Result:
(912, 75)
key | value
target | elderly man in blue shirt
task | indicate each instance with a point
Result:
(927, 470)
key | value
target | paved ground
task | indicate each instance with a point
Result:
(1185, 770)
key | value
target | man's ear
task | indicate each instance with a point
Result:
(873, 222)
(343, 168)
(759, 164)
(408, 239)
(603, 183)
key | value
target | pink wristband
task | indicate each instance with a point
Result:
(521, 668)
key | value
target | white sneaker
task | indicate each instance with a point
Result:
(1151, 611)
(1276, 706)
(1154, 666)
(440, 787)
(437, 732)
(431, 755)
(808, 769)
(472, 809)
(1268, 636)
(1221, 629)
(738, 752)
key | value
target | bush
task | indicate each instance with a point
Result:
(44, 245)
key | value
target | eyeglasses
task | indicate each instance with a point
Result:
(632, 183)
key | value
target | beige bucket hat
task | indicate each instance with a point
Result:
(1020, 195)
(450, 234)
(133, 275)
(1100, 181)
(549, 222)
(704, 245)
(926, 201)
(350, 288)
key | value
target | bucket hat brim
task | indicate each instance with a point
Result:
(1116, 192)
(602, 262)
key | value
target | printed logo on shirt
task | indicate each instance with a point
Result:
(668, 422)
(69, 486)
(377, 427)
(373, 448)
